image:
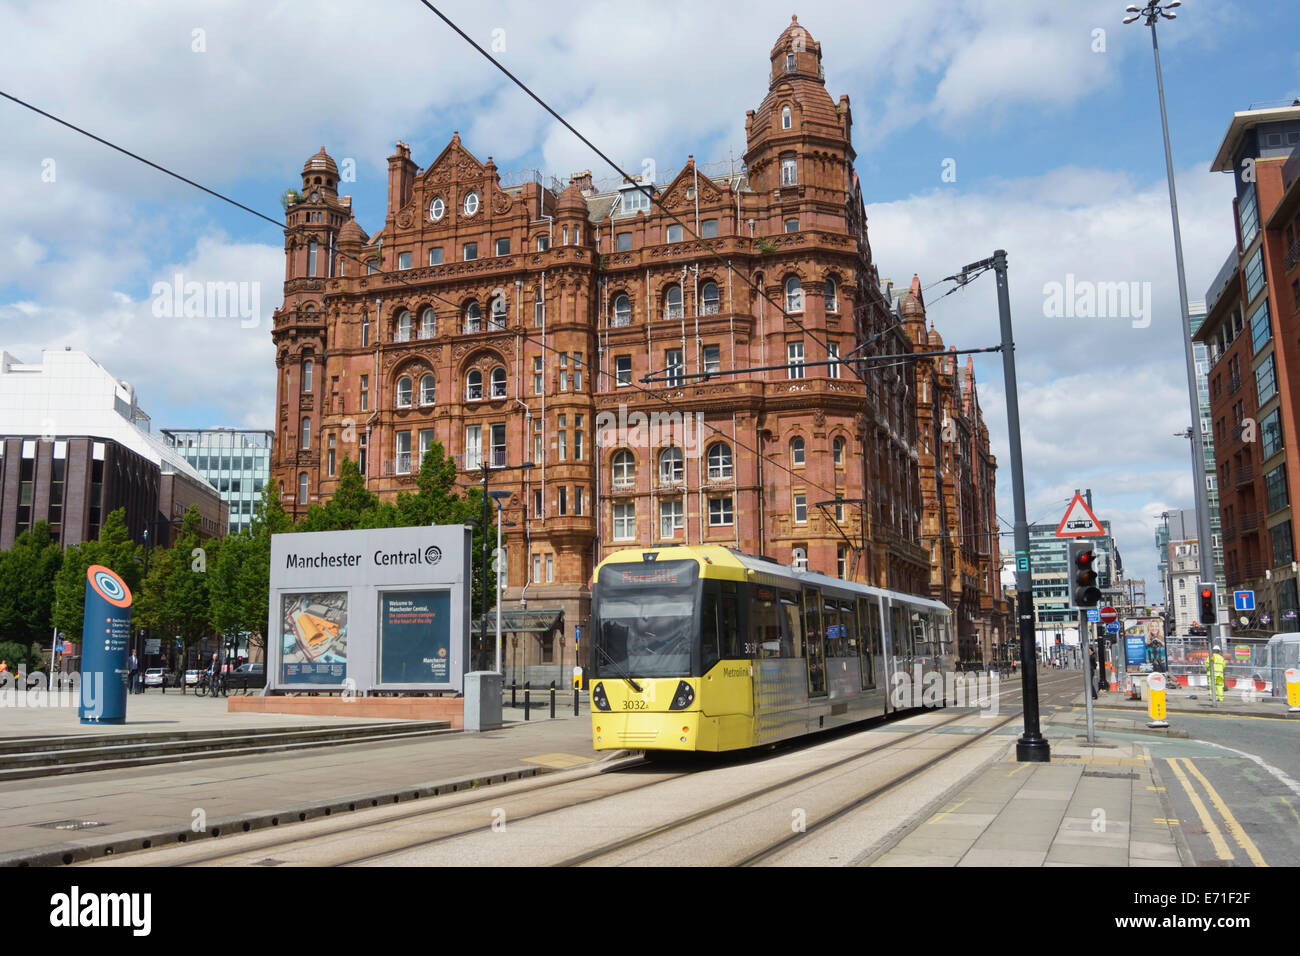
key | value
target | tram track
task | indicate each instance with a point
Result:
(613, 848)
(561, 792)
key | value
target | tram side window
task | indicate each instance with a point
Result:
(791, 625)
(765, 621)
(902, 636)
(870, 614)
(849, 625)
(729, 636)
(708, 627)
(834, 630)
(922, 634)
(814, 636)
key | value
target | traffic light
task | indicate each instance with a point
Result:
(1083, 575)
(1209, 607)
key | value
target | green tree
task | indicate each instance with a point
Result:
(27, 575)
(175, 599)
(351, 506)
(114, 550)
(240, 581)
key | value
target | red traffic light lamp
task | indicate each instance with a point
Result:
(1209, 607)
(1083, 575)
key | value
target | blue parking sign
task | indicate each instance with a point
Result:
(1244, 600)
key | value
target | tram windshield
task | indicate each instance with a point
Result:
(645, 618)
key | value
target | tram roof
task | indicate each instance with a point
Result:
(722, 556)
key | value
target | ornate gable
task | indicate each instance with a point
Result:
(677, 196)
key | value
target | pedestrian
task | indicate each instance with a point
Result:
(134, 671)
(1092, 671)
(1214, 665)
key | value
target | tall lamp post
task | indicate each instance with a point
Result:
(488, 468)
(1151, 15)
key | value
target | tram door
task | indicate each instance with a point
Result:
(814, 642)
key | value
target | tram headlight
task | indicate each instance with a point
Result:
(684, 697)
(598, 697)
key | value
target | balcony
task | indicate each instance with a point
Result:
(1251, 522)
(1244, 476)
(1255, 569)
(398, 465)
(1234, 386)
(1229, 532)
(623, 482)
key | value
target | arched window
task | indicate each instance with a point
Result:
(785, 117)
(474, 386)
(673, 302)
(709, 298)
(799, 558)
(473, 318)
(302, 487)
(793, 295)
(832, 296)
(404, 392)
(564, 236)
(498, 382)
(306, 375)
(428, 392)
(305, 435)
(719, 461)
(837, 452)
(623, 469)
(499, 311)
(403, 326)
(672, 466)
(428, 324)
(796, 451)
(622, 311)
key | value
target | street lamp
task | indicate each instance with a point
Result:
(1151, 14)
(500, 497)
(488, 468)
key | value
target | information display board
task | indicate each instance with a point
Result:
(105, 646)
(376, 609)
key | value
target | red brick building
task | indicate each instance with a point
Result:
(1252, 331)
(518, 322)
(958, 489)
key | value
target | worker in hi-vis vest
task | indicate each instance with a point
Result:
(1214, 671)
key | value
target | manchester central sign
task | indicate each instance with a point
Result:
(384, 609)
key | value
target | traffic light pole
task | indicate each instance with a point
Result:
(1084, 643)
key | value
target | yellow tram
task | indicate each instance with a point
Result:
(706, 648)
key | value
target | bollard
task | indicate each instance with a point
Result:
(527, 699)
(1156, 702)
(513, 685)
(575, 702)
(1292, 690)
(552, 700)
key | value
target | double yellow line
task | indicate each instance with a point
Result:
(1221, 848)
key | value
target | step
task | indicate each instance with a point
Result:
(113, 758)
(10, 746)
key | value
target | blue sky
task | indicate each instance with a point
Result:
(1056, 145)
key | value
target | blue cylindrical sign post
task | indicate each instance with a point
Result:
(105, 647)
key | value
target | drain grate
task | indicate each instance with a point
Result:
(269, 861)
(1111, 774)
(72, 825)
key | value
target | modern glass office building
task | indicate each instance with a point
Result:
(235, 461)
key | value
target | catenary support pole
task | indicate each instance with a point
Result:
(1031, 746)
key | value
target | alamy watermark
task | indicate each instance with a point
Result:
(21, 689)
(1085, 299)
(624, 429)
(180, 299)
(933, 688)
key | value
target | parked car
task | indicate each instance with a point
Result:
(192, 677)
(155, 677)
(258, 668)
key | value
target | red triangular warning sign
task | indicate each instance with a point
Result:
(1079, 521)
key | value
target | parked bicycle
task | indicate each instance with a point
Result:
(214, 684)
